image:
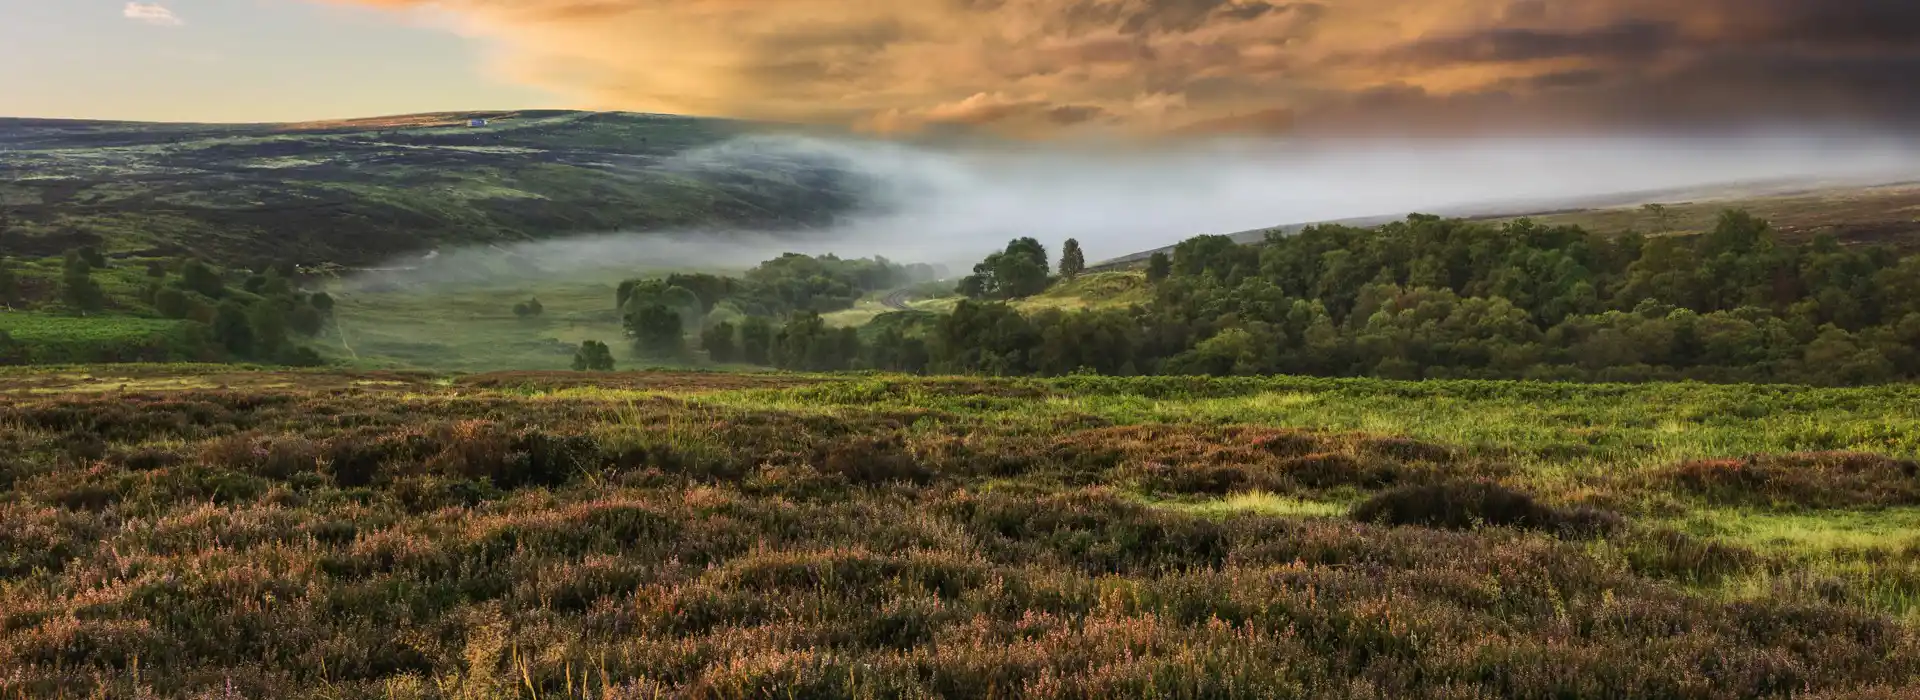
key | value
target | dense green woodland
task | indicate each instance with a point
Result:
(1423, 298)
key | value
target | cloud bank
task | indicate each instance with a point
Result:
(1205, 66)
(151, 13)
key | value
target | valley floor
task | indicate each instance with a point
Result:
(177, 529)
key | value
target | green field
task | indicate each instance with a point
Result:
(53, 339)
(473, 329)
(175, 531)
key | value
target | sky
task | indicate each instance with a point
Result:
(1011, 66)
(240, 61)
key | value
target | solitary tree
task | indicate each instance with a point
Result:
(321, 302)
(1072, 261)
(594, 356)
(1019, 271)
(528, 309)
(1663, 218)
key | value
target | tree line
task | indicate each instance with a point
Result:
(1426, 297)
(256, 320)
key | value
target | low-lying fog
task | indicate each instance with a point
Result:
(952, 205)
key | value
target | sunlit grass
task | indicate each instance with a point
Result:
(1261, 503)
(1812, 532)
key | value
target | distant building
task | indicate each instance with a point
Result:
(476, 123)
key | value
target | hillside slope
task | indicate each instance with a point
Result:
(357, 192)
(1885, 214)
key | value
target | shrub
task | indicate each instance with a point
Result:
(870, 460)
(1670, 554)
(276, 458)
(593, 356)
(1460, 505)
(1326, 470)
(1810, 480)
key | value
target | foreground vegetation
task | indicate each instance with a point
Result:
(182, 530)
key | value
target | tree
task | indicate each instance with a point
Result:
(232, 329)
(9, 284)
(322, 302)
(710, 290)
(12, 352)
(656, 331)
(806, 343)
(756, 340)
(172, 303)
(156, 269)
(594, 356)
(892, 349)
(528, 309)
(1017, 272)
(1663, 218)
(269, 321)
(679, 300)
(77, 286)
(1072, 261)
(196, 276)
(306, 320)
(93, 257)
(1159, 267)
(718, 342)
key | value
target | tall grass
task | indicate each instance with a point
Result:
(528, 535)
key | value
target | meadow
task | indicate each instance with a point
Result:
(220, 531)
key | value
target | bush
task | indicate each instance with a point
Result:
(593, 356)
(1670, 554)
(1462, 505)
(868, 460)
(1808, 480)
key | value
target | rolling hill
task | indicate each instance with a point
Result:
(1885, 213)
(361, 191)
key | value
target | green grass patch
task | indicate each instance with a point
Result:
(1094, 290)
(1812, 532)
(1260, 503)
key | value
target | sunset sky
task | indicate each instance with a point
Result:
(1015, 65)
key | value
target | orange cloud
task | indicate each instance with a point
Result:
(1180, 65)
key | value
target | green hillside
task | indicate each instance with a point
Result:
(357, 192)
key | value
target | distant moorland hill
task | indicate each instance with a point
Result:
(359, 191)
